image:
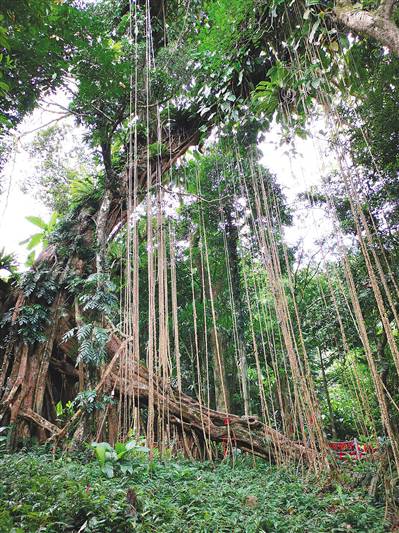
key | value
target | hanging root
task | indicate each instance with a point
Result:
(191, 418)
(197, 426)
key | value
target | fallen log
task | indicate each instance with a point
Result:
(188, 415)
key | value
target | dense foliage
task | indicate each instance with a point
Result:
(162, 187)
(41, 493)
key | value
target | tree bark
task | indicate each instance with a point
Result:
(376, 24)
(188, 415)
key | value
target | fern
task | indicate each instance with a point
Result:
(92, 341)
(89, 401)
(8, 262)
(69, 334)
(30, 323)
(99, 295)
(40, 283)
(86, 401)
(86, 189)
(84, 332)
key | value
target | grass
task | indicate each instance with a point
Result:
(70, 494)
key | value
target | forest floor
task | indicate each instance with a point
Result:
(69, 493)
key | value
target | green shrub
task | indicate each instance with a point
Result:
(119, 457)
(42, 494)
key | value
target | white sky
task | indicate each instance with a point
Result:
(14, 204)
(296, 173)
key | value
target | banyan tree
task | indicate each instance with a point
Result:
(164, 301)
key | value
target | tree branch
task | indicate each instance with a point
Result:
(375, 24)
(386, 8)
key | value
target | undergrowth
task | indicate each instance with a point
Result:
(39, 493)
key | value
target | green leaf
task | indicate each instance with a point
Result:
(30, 259)
(120, 449)
(37, 221)
(5, 121)
(334, 46)
(108, 470)
(59, 409)
(344, 41)
(126, 468)
(101, 449)
(53, 221)
(277, 75)
(132, 445)
(100, 454)
(35, 240)
(143, 449)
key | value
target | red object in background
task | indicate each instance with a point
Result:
(368, 448)
(352, 449)
(338, 446)
(343, 450)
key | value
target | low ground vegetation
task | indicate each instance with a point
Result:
(42, 493)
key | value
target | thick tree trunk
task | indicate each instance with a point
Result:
(188, 415)
(36, 377)
(24, 370)
(376, 24)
